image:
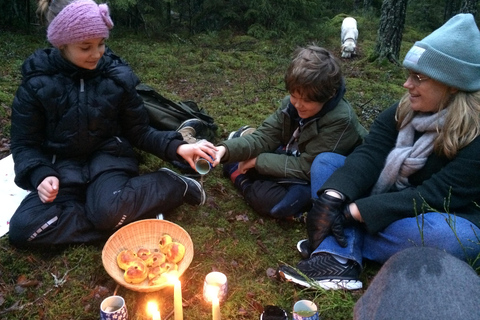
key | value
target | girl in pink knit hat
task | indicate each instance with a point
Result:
(76, 119)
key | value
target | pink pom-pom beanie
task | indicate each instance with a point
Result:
(79, 21)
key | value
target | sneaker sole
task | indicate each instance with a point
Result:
(330, 284)
(203, 196)
(304, 254)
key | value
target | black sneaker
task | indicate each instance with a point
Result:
(303, 247)
(191, 129)
(194, 193)
(241, 132)
(325, 271)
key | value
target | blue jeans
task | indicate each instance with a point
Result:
(447, 232)
(322, 167)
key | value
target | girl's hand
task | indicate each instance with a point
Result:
(48, 189)
(200, 149)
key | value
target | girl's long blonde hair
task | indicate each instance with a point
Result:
(47, 10)
(462, 122)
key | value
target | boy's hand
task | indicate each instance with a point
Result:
(221, 150)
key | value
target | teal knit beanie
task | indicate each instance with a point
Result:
(449, 54)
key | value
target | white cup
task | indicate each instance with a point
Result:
(305, 310)
(113, 308)
(217, 280)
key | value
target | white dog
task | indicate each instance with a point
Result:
(349, 37)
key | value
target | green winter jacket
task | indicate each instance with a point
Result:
(335, 129)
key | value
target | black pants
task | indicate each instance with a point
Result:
(91, 213)
(278, 200)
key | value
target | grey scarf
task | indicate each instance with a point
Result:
(408, 157)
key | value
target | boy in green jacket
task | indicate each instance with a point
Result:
(271, 165)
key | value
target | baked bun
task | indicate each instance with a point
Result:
(126, 258)
(162, 278)
(174, 252)
(161, 269)
(156, 259)
(164, 241)
(143, 253)
(157, 280)
(137, 272)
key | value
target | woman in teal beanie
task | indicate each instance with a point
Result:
(416, 179)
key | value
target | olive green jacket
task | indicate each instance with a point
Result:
(336, 130)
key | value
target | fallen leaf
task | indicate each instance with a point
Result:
(242, 217)
(271, 273)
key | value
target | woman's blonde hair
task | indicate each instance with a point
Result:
(462, 122)
(47, 10)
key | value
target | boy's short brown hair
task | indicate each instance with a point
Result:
(314, 73)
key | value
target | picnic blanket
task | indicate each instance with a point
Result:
(10, 194)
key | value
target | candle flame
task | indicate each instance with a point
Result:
(172, 277)
(152, 307)
(212, 292)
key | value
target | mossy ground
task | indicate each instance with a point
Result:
(238, 80)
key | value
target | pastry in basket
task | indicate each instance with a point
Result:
(143, 253)
(158, 280)
(156, 259)
(137, 272)
(162, 278)
(164, 241)
(174, 252)
(125, 258)
(162, 268)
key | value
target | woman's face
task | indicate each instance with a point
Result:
(426, 94)
(305, 107)
(85, 54)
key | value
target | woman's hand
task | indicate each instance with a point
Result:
(48, 189)
(200, 149)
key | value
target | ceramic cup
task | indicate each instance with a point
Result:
(202, 166)
(217, 280)
(113, 308)
(305, 310)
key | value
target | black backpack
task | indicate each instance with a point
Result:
(165, 114)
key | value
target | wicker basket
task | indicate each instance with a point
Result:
(146, 234)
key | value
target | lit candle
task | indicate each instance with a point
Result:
(215, 308)
(212, 295)
(153, 310)
(177, 299)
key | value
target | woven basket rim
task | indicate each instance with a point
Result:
(144, 234)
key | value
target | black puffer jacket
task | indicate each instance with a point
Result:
(74, 123)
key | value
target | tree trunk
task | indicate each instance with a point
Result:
(469, 6)
(392, 22)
